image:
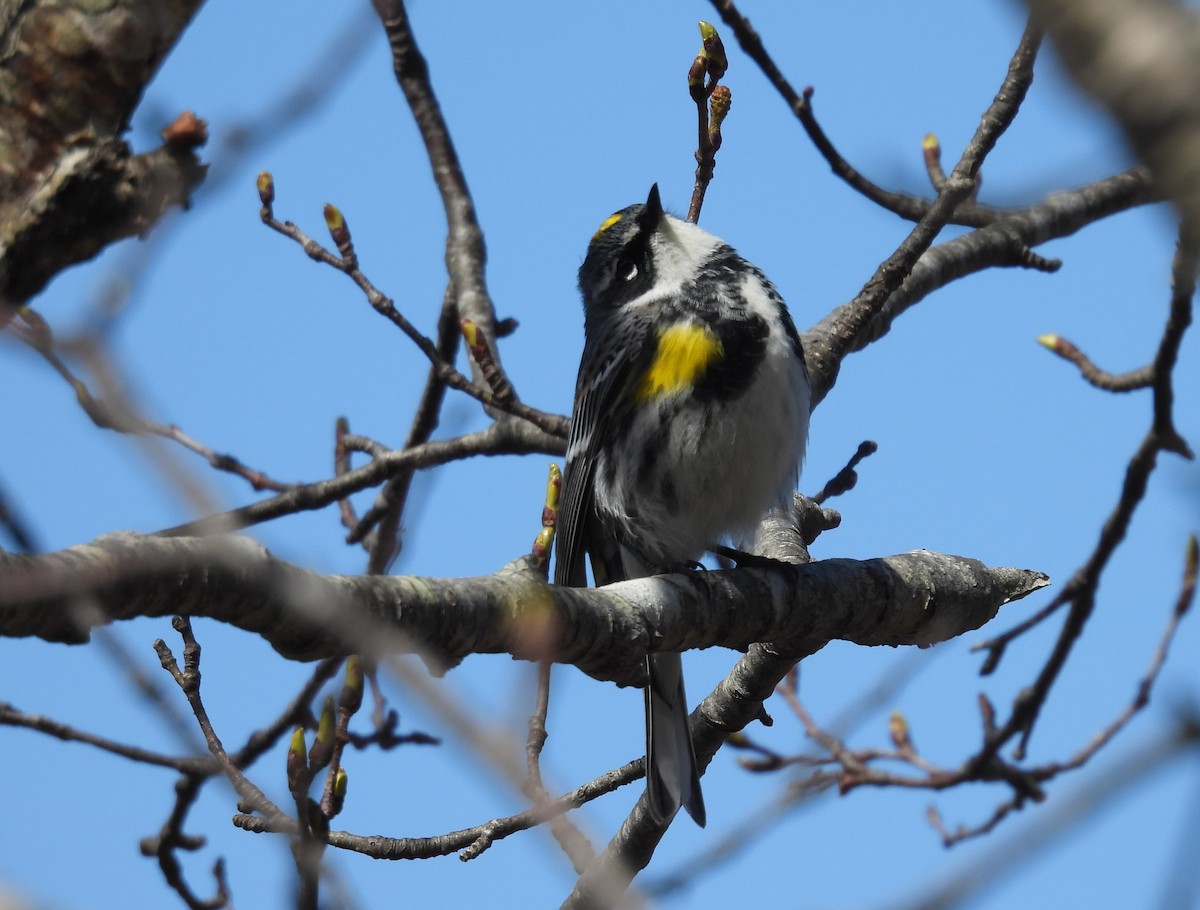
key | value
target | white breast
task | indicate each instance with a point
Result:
(724, 473)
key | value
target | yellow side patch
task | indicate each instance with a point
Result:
(606, 224)
(685, 351)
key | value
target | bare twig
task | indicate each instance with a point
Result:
(907, 206)
(188, 680)
(1140, 378)
(573, 841)
(192, 765)
(1075, 811)
(536, 739)
(118, 415)
(712, 105)
(1080, 591)
(799, 792)
(858, 767)
(387, 544)
(341, 467)
(846, 479)
(507, 437)
(171, 838)
(465, 253)
(10, 716)
(347, 263)
(469, 842)
(237, 143)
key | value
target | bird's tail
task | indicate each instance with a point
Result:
(672, 779)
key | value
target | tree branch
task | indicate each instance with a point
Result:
(1002, 243)
(846, 327)
(915, 598)
(465, 252)
(505, 437)
(69, 186)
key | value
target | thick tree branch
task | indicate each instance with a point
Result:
(916, 598)
(70, 77)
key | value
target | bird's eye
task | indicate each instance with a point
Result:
(627, 270)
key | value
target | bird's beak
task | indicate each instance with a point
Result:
(653, 212)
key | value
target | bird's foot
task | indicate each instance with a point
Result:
(742, 559)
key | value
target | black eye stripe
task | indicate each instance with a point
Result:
(619, 266)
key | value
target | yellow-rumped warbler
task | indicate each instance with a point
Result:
(690, 420)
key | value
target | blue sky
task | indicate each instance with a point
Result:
(989, 446)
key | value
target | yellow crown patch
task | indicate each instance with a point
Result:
(606, 224)
(685, 350)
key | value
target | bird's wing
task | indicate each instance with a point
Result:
(600, 401)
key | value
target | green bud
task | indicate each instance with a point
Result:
(297, 765)
(352, 688)
(338, 229)
(266, 188)
(340, 781)
(322, 747)
(714, 51)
